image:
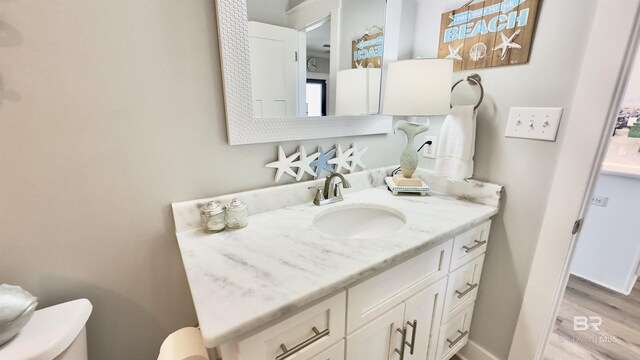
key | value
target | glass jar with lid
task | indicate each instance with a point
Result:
(237, 215)
(212, 217)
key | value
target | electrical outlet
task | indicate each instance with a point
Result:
(599, 200)
(429, 150)
(534, 123)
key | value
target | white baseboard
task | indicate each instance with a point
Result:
(473, 351)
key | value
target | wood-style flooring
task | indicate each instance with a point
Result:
(619, 334)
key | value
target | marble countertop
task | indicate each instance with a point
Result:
(280, 263)
(623, 158)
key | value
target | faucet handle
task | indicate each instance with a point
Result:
(319, 196)
(336, 190)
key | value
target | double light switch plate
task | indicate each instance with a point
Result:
(534, 123)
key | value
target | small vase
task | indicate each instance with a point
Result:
(409, 159)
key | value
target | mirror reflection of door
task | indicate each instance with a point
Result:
(292, 42)
(274, 60)
(318, 66)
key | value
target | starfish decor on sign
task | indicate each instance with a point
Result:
(283, 164)
(304, 163)
(454, 54)
(507, 43)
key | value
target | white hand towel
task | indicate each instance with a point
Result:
(456, 144)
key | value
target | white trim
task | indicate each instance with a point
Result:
(242, 127)
(601, 284)
(607, 63)
(473, 351)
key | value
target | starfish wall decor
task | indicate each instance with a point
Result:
(334, 160)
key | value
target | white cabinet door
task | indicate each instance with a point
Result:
(422, 316)
(378, 339)
(336, 352)
(274, 69)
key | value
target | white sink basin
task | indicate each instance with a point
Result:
(361, 221)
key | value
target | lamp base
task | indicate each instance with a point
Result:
(423, 189)
(400, 180)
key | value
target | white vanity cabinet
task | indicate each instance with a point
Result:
(420, 309)
(411, 323)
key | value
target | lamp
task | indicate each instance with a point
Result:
(419, 87)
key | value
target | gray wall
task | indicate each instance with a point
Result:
(109, 112)
(524, 167)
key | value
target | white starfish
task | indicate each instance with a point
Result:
(342, 159)
(356, 158)
(304, 163)
(283, 164)
(453, 53)
(507, 43)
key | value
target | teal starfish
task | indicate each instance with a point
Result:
(322, 163)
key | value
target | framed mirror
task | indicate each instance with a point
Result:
(303, 69)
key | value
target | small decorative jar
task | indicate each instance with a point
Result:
(212, 217)
(237, 216)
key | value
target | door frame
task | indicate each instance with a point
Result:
(612, 44)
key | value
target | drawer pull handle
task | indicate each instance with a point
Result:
(468, 290)
(453, 343)
(404, 341)
(414, 329)
(469, 249)
(289, 352)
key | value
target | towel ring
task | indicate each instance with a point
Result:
(473, 79)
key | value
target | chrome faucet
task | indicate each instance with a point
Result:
(330, 193)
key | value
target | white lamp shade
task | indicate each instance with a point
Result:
(418, 87)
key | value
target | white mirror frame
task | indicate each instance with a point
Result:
(242, 127)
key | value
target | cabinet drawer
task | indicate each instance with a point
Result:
(336, 352)
(470, 244)
(454, 334)
(377, 295)
(462, 288)
(304, 334)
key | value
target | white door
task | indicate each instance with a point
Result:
(274, 71)
(423, 313)
(378, 339)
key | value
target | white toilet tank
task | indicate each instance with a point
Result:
(54, 333)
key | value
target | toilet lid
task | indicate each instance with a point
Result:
(49, 332)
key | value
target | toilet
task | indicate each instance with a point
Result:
(54, 333)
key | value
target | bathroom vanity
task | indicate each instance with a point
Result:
(375, 276)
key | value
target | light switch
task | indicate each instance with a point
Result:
(534, 123)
